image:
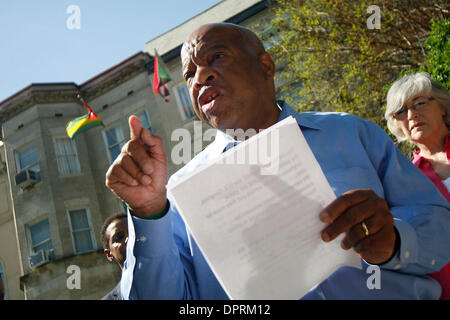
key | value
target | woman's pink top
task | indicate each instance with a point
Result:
(442, 276)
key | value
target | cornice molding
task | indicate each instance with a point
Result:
(117, 79)
(42, 93)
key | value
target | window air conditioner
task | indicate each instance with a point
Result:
(49, 255)
(39, 258)
(26, 178)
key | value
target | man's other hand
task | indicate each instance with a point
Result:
(367, 223)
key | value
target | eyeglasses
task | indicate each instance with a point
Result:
(419, 105)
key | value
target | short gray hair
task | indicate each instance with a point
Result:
(406, 88)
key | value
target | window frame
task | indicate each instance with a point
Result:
(17, 159)
(77, 162)
(3, 278)
(105, 140)
(91, 229)
(145, 112)
(271, 37)
(30, 239)
(176, 89)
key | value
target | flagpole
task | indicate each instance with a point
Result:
(90, 110)
(84, 102)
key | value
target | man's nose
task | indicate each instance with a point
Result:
(203, 75)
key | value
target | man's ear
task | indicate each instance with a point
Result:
(268, 65)
(108, 255)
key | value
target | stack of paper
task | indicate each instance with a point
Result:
(255, 216)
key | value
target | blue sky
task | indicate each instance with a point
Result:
(37, 46)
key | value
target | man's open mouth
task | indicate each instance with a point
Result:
(208, 95)
(208, 98)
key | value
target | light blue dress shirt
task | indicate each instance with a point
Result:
(163, 262)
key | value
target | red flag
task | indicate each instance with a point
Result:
(160, 78)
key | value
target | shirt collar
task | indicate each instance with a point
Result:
(417, 159)
(222, 139)
(287, 110)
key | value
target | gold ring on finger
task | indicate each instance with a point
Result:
(365, 229)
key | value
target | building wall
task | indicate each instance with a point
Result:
(49, 282)
(218, 13)
(51, 198)
(9, 252)
(113, 97)
(54, 195)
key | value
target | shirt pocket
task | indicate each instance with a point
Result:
(344, 179)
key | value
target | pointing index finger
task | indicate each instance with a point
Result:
(135, 127)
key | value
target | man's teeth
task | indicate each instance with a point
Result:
(212, 97)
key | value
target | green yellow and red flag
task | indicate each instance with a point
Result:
(83, 123)
(160, 78)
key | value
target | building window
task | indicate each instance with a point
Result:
(81, 228)
(184, 101)
(27, 158)
(66, 156)
(40, 237)
(143, 116)
(114, 141)
(271, 37)
(2, 284)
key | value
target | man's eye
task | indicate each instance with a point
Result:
(402, 110)
(218, 56)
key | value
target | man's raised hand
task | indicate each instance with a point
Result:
(138, 176)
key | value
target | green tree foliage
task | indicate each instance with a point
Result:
(437, 64)
(329, 60)
(438, 52)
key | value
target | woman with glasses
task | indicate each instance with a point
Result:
(418, 110)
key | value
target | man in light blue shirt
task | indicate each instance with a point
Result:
(390, 213)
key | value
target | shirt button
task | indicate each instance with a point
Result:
(397, 266)
(433, 262)
(407, 254)
(142, 239)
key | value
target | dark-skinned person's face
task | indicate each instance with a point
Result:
(117, 233)
(229, 77)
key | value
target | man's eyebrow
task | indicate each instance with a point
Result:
(417, 98)
(204, 48)
(186, 62)
(217, 47)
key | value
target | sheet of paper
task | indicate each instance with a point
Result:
(256, 221)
